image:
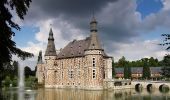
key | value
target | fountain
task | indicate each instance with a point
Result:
(21, 77)
(21, 83)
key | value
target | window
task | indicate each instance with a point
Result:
(94, 73)
(79, 73)
(70, 74)
(94, 63)
(93, 46)
(62, 75)
(79, 64)
(62, 65)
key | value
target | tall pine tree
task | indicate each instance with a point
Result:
(7, 26)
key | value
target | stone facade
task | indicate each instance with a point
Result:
(80, 64)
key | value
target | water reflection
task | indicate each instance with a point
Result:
(68, 94)
(60, 94)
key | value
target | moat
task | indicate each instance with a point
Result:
(75, 94)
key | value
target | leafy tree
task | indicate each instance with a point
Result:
(27, 71)
(113, 68)
(146, 70)
(166, 41)
(15, 65)
(166, 68)
(153, 62)
(122, 62)
(7, 27)
(7, 81)
(166, 60)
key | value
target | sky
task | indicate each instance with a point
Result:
(130, 28)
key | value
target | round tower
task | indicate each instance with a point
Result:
(40, 69)
(94, 60)
(50, 57)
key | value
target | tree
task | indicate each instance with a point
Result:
(113, 68)
(27, 71)
(153, 62)
(166, 68)
(123, 63)
(166, 60)
(7, 27)
(166, 41)
(15, 65)
(146, 70)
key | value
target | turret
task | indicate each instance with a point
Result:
(50, 57)
(40, 69)
(40, 58)
(94, 54)
(50, 51)
(94, 41)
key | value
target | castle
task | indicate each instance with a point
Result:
(80, 64)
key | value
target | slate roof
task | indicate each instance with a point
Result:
(119, 70)
(50, 51)
(135, 70)
(40, 58)
(76, 48)
(155, 70)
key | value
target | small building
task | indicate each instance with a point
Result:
(119, 73)
(136, 72)
(155, 72)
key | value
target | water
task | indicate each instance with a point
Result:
(68, 94)
(21, 77)
(22, 93)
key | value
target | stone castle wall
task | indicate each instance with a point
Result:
(86, 72)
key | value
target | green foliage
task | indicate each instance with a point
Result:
(144, 62)
(122, 62)
(15, 65)
(146, 70)
(15, 82)
(166, 41)
(7, 81)
(7, 27)
(166, 68)
(28, 72)
(31, 81)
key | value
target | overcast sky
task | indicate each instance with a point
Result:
(130, 28)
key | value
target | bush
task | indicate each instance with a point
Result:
(7, 81)
(15, 82)
(30, 81)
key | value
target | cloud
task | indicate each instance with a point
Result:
(166, 4)
(119, 25)
(138, 50)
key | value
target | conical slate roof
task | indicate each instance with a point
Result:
(40, 58)
(77, 48)
(50, 51)
(94, 41)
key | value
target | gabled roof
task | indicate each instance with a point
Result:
(135, 70)
(155, 70)
(119, 70)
